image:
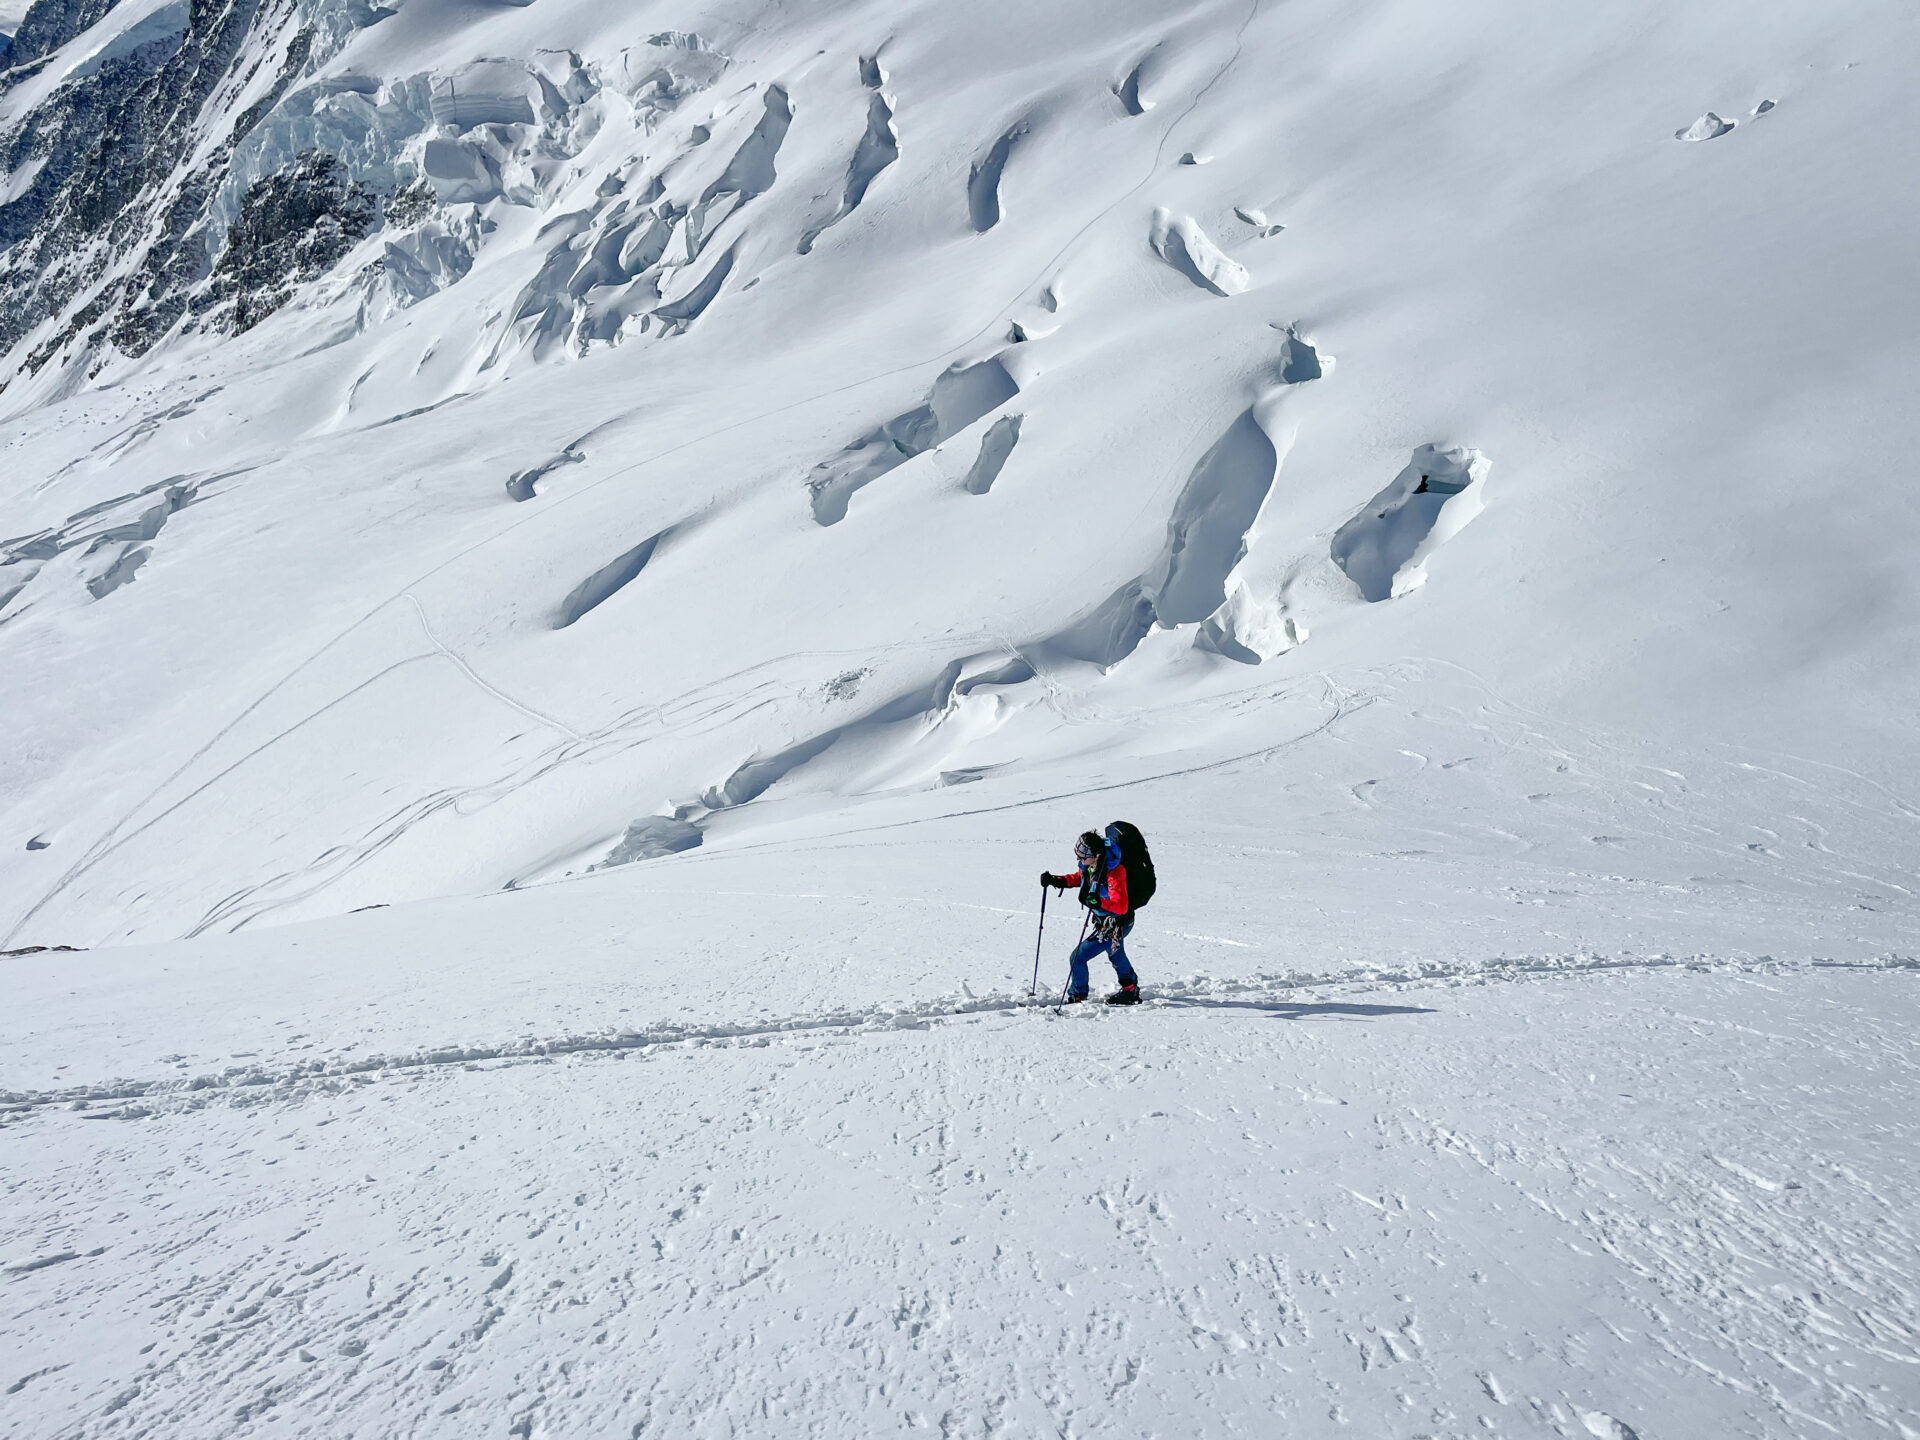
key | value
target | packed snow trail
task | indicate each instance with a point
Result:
(1476, 1207)
(282, 1078)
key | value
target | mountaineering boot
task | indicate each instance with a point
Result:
(1073, 1000)
(1125, 995)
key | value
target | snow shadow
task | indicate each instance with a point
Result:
(1206, 538)
(591, 283)
(1708, 127)
(120, 572)
(1109, 632)
(1299, 1010)
(749, 174)
(676, 315)
(959, 397)
(603, 584)
(651, 838)
(1207, 534)
(916, 706)
(1385, 548)
(753, 779)
(878, 149)
(995, 448)
(983, 181)
(1299, 360)
(611, 264)
(525, 484)
(129, 522)
(1181, 242)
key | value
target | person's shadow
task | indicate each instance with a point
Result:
(1301, 1010)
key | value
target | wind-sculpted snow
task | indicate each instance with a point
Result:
(103, 546)
(615, 260)
(751, 170)
(426, 258)
(1128, 92)
(1299, 359)
(879, 147)
(1206, 536)
(120, 572)
(996, 448)
(640, 227)
(604, 583)
(681, 311)
(1385, 548)
(491, 131)
(652, 838)
(749, 174)
(917, 705)
(914, 733)
(1258, 219)
(526, 484)
(1206, 539)
(1187, 248)
(983, 181)
(959, 397)
(672, 68)
(1708, 127)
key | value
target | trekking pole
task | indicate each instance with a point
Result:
(1085, 920)
(1039, 937)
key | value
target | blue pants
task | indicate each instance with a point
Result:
(1108, 934)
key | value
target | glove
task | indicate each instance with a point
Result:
(1047, 877)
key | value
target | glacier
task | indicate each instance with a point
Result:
(564, 568)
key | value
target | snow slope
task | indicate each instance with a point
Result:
(355, 622)
(1523, 1202)
(763, 480)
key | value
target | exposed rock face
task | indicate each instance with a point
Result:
(103, 143)
(296, 225)
(192, 164)
(51, 24)
(410, 205)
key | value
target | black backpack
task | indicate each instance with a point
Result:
(1133, 855)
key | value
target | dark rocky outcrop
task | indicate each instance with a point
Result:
(51, 24)
(111, 184)
(295, 225)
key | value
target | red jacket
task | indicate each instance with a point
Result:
(1113, 894)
